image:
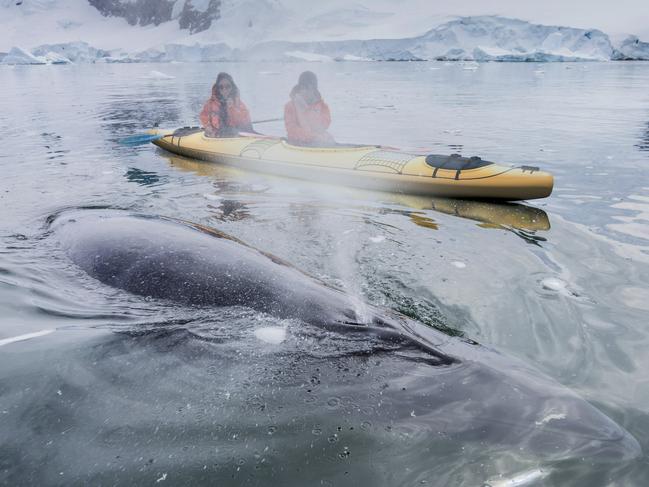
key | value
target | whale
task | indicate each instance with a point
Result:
(440, 386)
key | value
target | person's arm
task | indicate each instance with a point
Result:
(322, 121)
(204, 116)
(302, 115)
(210, 122)
(244, 118)
(294, 130)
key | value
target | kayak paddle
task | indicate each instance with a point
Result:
(140, 139)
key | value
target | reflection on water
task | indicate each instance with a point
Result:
(141, 177)
(122, 115)
(229, 210)
(423, 221)
(644, 139)
(508, 216)
(494, 215)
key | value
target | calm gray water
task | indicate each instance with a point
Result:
(121, 390)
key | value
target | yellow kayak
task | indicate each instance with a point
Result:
(368, 167)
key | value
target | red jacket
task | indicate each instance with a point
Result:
(238, 116)
(307, 126)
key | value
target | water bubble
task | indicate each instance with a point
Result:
(272, 430)
(333, 402)
(333, 438)
(316, 431)
(365, 425)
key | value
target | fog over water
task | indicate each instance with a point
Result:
(106, 387)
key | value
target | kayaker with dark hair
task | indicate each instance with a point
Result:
(306, 115)
(224, 114)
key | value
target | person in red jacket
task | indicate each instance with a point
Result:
(306, 115)
(224, 114)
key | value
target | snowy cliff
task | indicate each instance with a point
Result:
(193, 15)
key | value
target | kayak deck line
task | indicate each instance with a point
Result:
(368, 167)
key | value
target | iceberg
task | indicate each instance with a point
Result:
(76, 52)
(55, 58)
(632, 49)
(19, 56)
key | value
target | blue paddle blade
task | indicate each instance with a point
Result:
(140, 139)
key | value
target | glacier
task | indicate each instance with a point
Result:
(483, 38)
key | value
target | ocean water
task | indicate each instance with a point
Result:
(108, 388)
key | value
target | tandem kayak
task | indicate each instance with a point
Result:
(368, 167)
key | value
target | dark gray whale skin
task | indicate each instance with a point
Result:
(468, 390)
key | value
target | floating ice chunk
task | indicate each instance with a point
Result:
(211, 197)
(470, 67)
(553, 284)
(377, 239)
(159, 75)
(522, 479)
(271, 334)
(27, 336)
(458, 264)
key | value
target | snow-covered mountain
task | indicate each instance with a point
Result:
(193, 15)
(281, 30)
(485, 38)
